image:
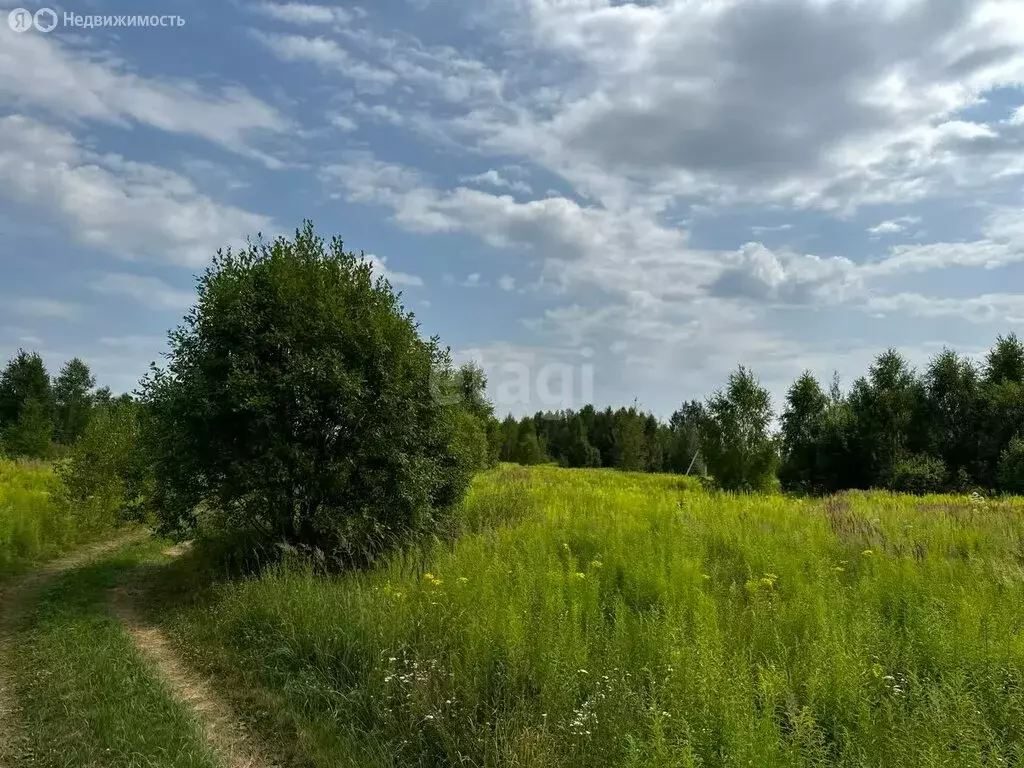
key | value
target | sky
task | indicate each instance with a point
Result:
(598, 201)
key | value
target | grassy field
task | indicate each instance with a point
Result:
(33, 526)
(599, 618)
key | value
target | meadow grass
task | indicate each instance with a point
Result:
(37, 519)
(87, 698)
(601, 618)
(33, 526)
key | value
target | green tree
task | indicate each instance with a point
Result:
(602, 436)
(26, 406)
(684, 439)
(1002, 406)
(105, 478)
(888, 408)
(471, 383)
(1005, 361)
(954, 399)
(72, 391)
(655, 444)
(802, 424)
(630, 451)
(32, 434)
(1011, 467)
(836, 464)
(528, 449)
(466, 389)
(580, 452)
(508, 438)
(297, 404)
(738, 449)
(102, 396)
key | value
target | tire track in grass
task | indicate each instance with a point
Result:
(15, 599)
(222, 731)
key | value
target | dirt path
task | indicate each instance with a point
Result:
(220, 728)
(15, 599)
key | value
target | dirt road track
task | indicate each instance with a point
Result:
(16, 597)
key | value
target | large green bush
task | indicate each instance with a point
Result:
(105, 476)
(297, 403)
(919, 473)
(1011, 467)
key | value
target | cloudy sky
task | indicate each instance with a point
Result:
(651, 191)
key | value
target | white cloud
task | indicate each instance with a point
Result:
(473, 281)
(380, 112)
(327, 54)
(760, 230)
(1002, 243)
(75, 83)
(756, 272)
(342, 122)
(379, 264)
(665, 305)
(779, 102)
(507, 283)
(150, 291)
(304, 14)
(128, 209)
(492, 178)
(893, 226)
(988, 308)
(618, 251)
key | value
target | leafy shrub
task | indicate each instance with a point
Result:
(919, 473)
(104, 476)
(1011, 467)
(31, 436)
(297, 403)
(470, 445)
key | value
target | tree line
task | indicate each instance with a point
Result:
(955, 426)
(42, 416)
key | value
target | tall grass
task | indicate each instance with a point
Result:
(35, 522)
(598, 618)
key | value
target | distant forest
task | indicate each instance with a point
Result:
(957, 426)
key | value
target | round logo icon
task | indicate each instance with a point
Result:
(45, 19)
(20, 20)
